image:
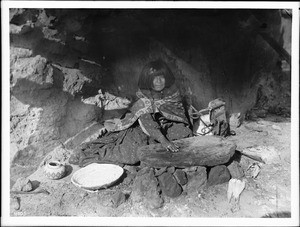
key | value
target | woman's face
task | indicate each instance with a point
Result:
(158, 83)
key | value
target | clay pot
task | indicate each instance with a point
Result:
(54, 170)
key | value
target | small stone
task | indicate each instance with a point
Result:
(129, 178)
(235, 120)
(169, 185)
(118, 198)
(181, 177)
(22, 184)
(160, 171)
(131, 169)
(15, 203)
(276, 127)
(235, 170)
(218, 175)
(171, 169)
(190, 169)
(201, 169)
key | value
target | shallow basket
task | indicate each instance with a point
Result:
(96, 176)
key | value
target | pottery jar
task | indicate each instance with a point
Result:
(54, 170)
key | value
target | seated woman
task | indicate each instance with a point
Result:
(158, 112)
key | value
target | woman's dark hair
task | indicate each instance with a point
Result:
(152, 69)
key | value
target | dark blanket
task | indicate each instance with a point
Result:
(114, 147)
(121, 147)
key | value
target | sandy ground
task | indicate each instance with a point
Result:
(269, 192)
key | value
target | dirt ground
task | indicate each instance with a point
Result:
(269, 192)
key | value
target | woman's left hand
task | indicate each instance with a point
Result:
(170, 146)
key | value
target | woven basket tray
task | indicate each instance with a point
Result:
(96, 176)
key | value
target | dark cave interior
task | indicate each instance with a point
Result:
(222, 45)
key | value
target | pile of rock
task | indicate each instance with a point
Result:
(152, 185)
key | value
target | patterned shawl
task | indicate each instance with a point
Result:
(170, 106)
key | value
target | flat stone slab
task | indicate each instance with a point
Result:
(193, 151)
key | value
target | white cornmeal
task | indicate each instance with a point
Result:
(97, 175)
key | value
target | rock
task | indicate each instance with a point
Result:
(16, 53)
(201, 169)
(22, 184)
(218, 175)
(235, 170)
(118, 198)
(190, 169)
(44, 19)
(15, 12)
(160, 171)
(15, 203)
(74, 79)
(130, 168)
(253, 170)
(181, 177)
(145, 189)
(19, 30)
(171, 169)
(235, 120)
(35, 70)
(129, 178)
(268, 154)
(196, 180)
(169, 185)
(276, 127)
